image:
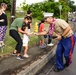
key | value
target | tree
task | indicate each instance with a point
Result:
(51, 7)
(70, 4)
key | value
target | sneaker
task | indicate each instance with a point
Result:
(66, 65)
(57, 70)
(19, 57)
(26, 55)
(42, 46)
(14, 54)
(3, 45)
(51, 44)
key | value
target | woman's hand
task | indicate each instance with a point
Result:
(2, 20)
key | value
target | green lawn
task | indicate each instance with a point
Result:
(10, 43)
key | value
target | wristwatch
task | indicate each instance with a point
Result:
(62, 37)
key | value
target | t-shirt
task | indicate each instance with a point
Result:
(17, 23)
(4, 17)
(60, 26)
(41, 27)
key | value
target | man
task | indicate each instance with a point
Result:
(15, 29)
(66, 43)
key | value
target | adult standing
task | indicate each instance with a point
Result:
(15, 29)
(29, 13)
(3, 22)
(66, 43)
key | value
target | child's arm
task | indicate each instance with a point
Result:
(27, 33)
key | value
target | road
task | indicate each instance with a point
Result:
(71, 70)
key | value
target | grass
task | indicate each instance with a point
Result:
(9, 41)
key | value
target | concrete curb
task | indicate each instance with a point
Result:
(37, 65)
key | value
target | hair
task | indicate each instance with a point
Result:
(43, 20)
(24, 26)
(29, 12)
(28, 17)
(3, 4)
(47, 17)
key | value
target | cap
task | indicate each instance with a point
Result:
(48, 14)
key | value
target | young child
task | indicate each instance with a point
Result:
(41, 38)
(26, 39)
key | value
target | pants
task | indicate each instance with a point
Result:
(65, 46)
(15, 35)
(49, 39)
(2, 32)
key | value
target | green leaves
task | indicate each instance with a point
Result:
(49, 6)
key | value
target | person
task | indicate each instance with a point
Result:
(50, 41)
(3, 22)
(41, 38)
(50, 36)
(15, 29)
(29, 13)
(26, 40)
(64, 35)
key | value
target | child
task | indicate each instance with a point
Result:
(41, 38)
(26, 39)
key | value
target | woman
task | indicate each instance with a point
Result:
(3, 22)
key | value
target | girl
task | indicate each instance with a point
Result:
(41, 38)
(26, 39)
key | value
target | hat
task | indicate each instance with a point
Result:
(48, 14)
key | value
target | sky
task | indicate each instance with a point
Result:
(18, 2)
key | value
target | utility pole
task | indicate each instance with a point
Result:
(60, 8)
(13, 9)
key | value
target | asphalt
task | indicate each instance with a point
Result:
(9, 65)
(71, 70)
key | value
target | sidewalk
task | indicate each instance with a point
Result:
(29, 66)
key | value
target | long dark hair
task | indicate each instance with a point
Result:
(24, 26)
(42, 21)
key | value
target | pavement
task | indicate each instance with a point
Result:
(71, 70)
(9, 65)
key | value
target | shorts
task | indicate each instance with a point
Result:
(41, 37)
(25, 41)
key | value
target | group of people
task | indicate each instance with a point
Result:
(58, 27)
(66, 38)
(21, 25)
(41, 28)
